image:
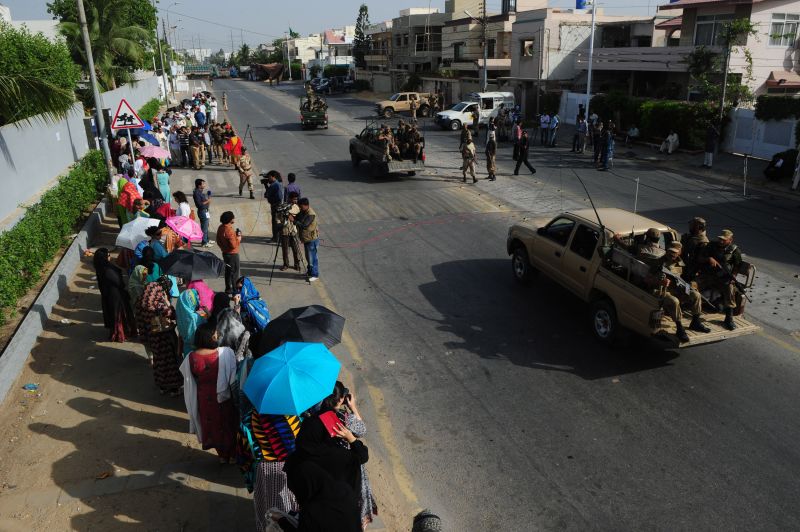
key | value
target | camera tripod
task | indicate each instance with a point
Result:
(294, 243)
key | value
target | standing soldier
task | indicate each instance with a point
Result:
(476, 123)
(694, 246)
(466, 136)
(245, 168)
(673, 295)
(224, 101)
(722, 263)
(468, 160)
(491, 154)
(413, 107)
(522, 158)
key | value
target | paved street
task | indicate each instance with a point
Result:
(498, 409)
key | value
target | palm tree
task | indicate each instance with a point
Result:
(116, 47)
(23, 94)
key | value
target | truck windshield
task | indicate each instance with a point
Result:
(394, 97)
(460, 106)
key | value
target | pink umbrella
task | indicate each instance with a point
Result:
(186, 228)
(154, 151)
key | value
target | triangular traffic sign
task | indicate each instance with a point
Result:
(126, 117)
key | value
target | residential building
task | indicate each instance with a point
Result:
(462, 40)
(378, 59)
(305, 49)
(339, 43)
(546, 42)
(660, 68)
(417, 40)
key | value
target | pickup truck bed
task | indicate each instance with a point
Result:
(713, 322)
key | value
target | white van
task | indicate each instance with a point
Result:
(461, 113)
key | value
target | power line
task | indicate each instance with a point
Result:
(218, 23)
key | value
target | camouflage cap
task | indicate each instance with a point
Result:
(697, 220)
(675, 246)
(725, 234)
(653, 234)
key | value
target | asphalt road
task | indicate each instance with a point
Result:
(502, 409)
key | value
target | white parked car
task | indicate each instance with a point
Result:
(461, 113)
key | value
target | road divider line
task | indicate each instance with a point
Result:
(781, 343)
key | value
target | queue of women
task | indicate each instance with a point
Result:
(243, 399)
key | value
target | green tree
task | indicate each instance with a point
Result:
(243, 56)
(37, 76)
(217, 58)
(120, 45)
(361, 41)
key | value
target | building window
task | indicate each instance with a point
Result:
(526, 48)
(783, 31)
(492, 44)
(405, 39)
(399, 40)
(458, 51)
(707, 31)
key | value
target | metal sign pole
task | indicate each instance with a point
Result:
(744, 185)
(636, 197)
(130, 146)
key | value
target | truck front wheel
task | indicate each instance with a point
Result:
(521, 265)
(388, 113)
(604, 320)
(355, 160)
(424, 111)
(455, 125)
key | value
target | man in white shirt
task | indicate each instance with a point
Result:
(670, 144)
(551, 140)
(213, 109)
(544, 128)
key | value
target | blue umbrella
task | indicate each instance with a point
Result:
(292, 378)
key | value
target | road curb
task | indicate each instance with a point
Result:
(18, 349)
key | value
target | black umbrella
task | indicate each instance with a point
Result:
(314, 323)
(192, 264)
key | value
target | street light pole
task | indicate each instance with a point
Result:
(483, 21)
(161, 59)
(591, 54)
(98, 100)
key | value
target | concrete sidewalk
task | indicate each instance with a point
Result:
(96, 447)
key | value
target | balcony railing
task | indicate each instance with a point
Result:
(644, 58)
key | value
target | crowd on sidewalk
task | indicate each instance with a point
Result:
(305, 472)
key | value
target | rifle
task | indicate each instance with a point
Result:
(680, 283)
(728, 276)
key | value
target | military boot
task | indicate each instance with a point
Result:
(680, 332)
(697, 325)
(251, 195)
(728, 323)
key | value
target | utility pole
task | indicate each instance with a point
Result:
(591, 54)
(724, 81)
(166, 38)
(539, 68)
(288, 54)
(161, 59)
(483, 21)
(98, 101)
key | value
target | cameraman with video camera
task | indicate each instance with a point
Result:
(289, 237)
(274, 195)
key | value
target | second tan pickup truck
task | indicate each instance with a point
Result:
(569, 249)
(401, 103)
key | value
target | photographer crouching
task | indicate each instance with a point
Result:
(274, 195)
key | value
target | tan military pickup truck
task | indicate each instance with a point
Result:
(401, 103)
(569, 250)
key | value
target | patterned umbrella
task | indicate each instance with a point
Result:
(155, 151)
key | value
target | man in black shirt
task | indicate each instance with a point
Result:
(183, 139)
(523, 154)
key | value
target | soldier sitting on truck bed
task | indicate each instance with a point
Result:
(416, 143)
(391, 150)
(674, 292)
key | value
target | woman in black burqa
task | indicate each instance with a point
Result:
(326, 505)
(114, 298)
(325, 477)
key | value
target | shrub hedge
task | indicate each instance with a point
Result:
(150, 109)
(655, 118)
(43, 230)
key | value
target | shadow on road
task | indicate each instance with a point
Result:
(538, 326)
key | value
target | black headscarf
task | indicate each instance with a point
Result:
(325, 504)
(316, 445)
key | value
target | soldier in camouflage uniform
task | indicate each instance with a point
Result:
(673, 296)
(721, 264)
